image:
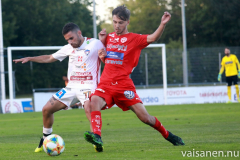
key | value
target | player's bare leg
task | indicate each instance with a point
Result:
(94, 137)
(143, 115)
(52, 106)
(88, 112)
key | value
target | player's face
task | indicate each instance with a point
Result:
(227, 51)
(120, 26)
(73, 38)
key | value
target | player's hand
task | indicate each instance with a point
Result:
(102, 35)
(166, 18)
(23, 60)
(102, 54)
(219, 77)
(238, 73)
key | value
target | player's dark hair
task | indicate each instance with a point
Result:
(227, 48)
(121, 12)
(70, 27)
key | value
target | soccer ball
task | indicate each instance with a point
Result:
(53, 145)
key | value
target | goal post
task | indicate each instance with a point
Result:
(10, 76)
(9, 53)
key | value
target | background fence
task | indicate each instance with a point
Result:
(203, 68)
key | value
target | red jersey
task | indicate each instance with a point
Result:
(123, 53)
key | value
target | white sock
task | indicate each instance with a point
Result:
(46, 132)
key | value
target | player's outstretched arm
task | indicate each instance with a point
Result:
(157, 34)
(102, 35)
(102, 54)
(38, 59)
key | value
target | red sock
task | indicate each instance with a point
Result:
(96, 121)
(159, 127)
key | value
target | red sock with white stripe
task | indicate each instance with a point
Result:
(96, 122)
(159, 127)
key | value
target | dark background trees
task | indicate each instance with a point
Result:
(209, 23)
(40, 23)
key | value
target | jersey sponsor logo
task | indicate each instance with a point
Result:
(124, 39)
(115, 55)
(87, 52)
(60, 93)
(114, 40)
(81, 78)
(229, 62)
(81, 73)
(80, 58)
(129, 94)
(113, 62)
(119, 47)
(111, 35)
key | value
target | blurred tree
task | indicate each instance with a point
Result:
(208, 22)
(40, 23)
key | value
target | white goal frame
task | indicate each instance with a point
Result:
(10, 76)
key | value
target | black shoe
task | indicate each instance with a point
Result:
(95, 139)
(175, 140)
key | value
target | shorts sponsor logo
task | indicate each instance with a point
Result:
(129, 94)
(60, 93)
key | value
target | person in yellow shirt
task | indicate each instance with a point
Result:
(230, 63)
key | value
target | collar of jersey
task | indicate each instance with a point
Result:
(83, 44)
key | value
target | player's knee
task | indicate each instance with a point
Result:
(150, 120)
(94, 106)
(146, 119)
(87, 109)
(45, 110)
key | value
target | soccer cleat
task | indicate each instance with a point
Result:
(229, 102)
(40, 147)
(95, 139)
(100, 149)
(238, 100)
(175, 140)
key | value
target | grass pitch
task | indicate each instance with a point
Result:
(207, 129)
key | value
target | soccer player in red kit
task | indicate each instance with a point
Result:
(116, 87)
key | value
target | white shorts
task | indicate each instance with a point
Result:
(68, 95)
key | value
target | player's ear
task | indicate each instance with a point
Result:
(79, 33)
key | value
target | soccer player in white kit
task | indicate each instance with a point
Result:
(83, 74)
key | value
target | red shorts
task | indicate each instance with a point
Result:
(122, 96)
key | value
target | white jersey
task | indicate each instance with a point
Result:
(84, 64)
